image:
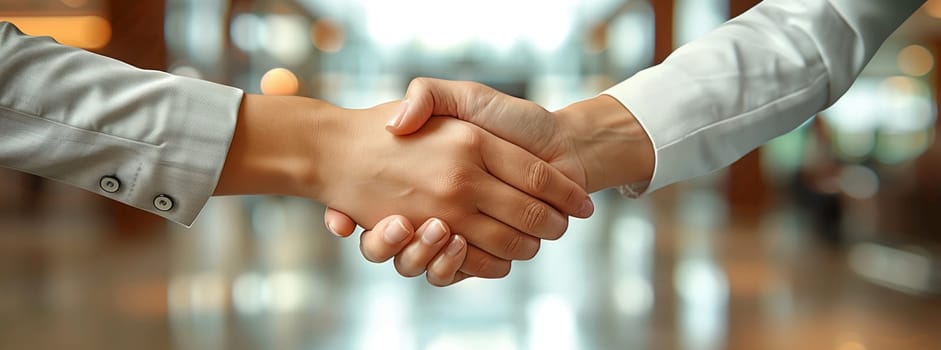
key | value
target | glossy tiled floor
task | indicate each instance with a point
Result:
(260, 273)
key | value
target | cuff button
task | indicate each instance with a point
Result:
(110, 184)
(163, 202)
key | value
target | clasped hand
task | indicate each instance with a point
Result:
(497, 196)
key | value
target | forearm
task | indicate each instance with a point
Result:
(612, 144)
(92, 122)
(273, 149)
(754, 78)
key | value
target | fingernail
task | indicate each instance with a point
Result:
(399, 115)
(586, 208)
(455, 247)
(332, 230)
(395, 233)
(433, 233)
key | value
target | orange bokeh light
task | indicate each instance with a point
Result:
(933, 8)
(915, 60)
(279, 81)
(328, 36)
(87, 32)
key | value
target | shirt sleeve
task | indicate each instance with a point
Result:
(752, 79)
(149, 139)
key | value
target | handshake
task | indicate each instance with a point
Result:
(483, 175)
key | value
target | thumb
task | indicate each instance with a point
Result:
(338, 223)
(406, 121)
(428, 97)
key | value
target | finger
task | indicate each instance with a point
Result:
(496, 238)
(430, 238)
(481, 264)
(428, 97)
(386, 239)
(338, 224)
(443, 269)
(519, 211)
(529, 174)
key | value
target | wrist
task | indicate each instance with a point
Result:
(612, 144)
(272, 150)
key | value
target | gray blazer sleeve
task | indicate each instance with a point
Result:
(149, 139)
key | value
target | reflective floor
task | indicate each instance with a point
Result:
(261, 273)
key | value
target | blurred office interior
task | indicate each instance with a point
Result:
(826, 238)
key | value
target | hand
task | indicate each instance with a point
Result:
(593, 142)
(443, 256)
(345, 159)
(475, 103)
(444, 172)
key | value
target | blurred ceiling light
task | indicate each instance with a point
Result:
(631, 250)
(87, 32)
(901, 85)
(250, 293)
(197, 294)
(491, 338)
(915, 60)
(555, 22)
(906, 270)
(859, 182)
(386, 325)
(327, 35)
(858, 111)
(286, 38)
(703, 289)
(279, 81)
(633, 296)
(700, 281)
(854, 147)
(552, 323)
(195, 30)
(245, 30)
(909, 106)
(630, 41)
(449, 25)
(290, 291)
(695, 18)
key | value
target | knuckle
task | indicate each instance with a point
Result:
(513, 245)
(555, 233)
(476, 89)
(370, 255)
(479, 89)
(437, 278)
(491, 268)
(573, 195)
(418, 83)
(457, 183)
(521, 247)
(467, 137)
(539, 175)
(501, 270)
(406, 269)
(535, 215)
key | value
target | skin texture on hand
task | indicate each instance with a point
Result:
(596, 142)
(485, 187)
